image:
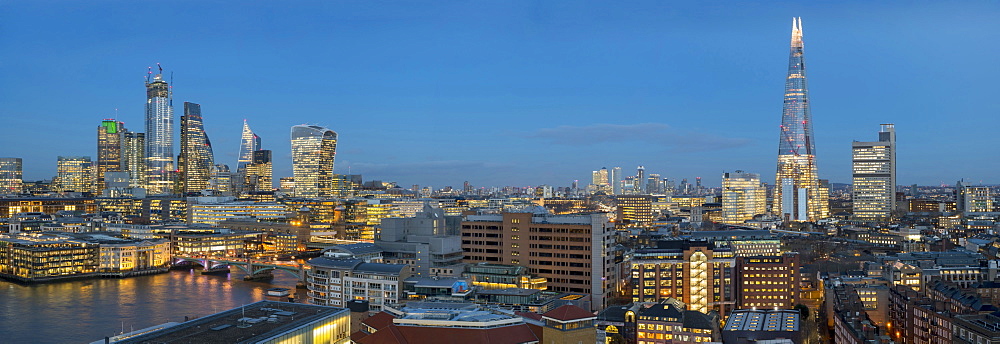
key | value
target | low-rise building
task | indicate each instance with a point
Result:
(748, 326)
(332, 282)
(444, 322)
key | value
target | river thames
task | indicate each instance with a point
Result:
(83, 311)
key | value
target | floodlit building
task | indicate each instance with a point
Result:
(575, 253)
(134, 158)
(197, 158)
(74, 173)
(798, 195)
(874, 181)
(11, 181)
(695, 272)
(159, 136)
(109, 149)
(333, 282)
(313, 151)
(743, 196)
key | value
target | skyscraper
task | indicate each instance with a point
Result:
(109, 149)
(874, 194)
(743, 196)
(134, 158)
(259, 172)
(798, 196)
(640, 184)
(194, 165)
(313, 151)
(159, 135)
(74, 173)
(249, 143)
(10, 176)
(616, 180)
(221, 179)
(600, 177)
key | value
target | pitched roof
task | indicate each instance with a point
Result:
(379, 321)
(568, 312)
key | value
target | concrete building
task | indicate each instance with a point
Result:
(698, 273)
(575, 253)
(874, 178)
(767, 281)
(429, 242)
(634, 210)
(669, 322)
(973, 199)
(333, 282)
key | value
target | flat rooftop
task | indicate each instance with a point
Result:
(245, 324)
(763, 320)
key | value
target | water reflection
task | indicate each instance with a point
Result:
(89, 310)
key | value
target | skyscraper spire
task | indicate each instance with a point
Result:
(799, 195)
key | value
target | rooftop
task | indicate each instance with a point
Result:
(247, 324)
(762, 320)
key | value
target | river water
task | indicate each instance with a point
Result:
(83, 311)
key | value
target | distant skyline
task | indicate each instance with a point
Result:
(514, 93)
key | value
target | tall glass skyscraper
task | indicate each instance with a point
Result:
(10, 176)
(134, 158)
(195, 163)
(313, 152)
(159, 136)
(249, 144)
(798, 195)
(109, 149)
(743, 196)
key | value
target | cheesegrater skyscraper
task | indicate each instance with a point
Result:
(798, 193)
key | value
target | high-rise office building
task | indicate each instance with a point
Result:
(249, 143)
(616, 180)
(874, 178)
(973, 199)
(109, 149)
(194, 165)
(600, 177)
(74, 173)
(221, 180)
(11, 176)
(313, 151)
(640, 181)
(134, 157)
(159, 136)
(259, 172)
(743, 196)
(798, 196)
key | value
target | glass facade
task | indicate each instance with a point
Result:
(11, 176)
(196, 160)
(109, 149)
(313, 152)
(743, 196)
(74, 174)
(134, 158)
(800, 197)
(159, 136)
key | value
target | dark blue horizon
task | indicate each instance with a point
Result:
(514, 93)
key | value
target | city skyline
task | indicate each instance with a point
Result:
(560, 117)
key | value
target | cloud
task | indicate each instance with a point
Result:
(649, 133)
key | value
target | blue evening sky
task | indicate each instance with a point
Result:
(515, 92)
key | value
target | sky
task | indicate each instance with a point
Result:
(519, 93)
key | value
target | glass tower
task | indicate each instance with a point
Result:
(743, 196)
(159, 136)
(10, 176)
(196, 160)
(73, 173)
(109, 149)
(249, 143)
(874, 176)
(313, 152)
(134, 158)
(798, 195)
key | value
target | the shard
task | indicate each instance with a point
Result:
(799, 195)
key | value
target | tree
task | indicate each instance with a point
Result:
(803, 310)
